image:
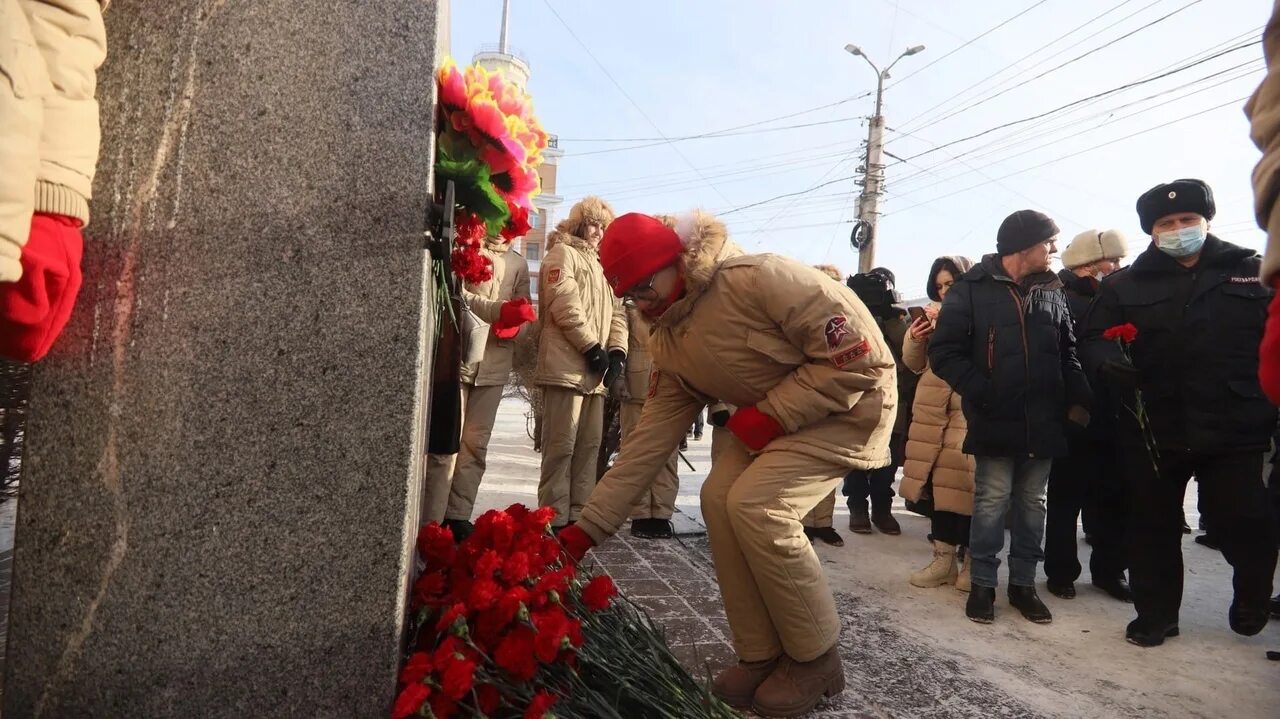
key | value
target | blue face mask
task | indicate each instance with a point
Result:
(1182, 243)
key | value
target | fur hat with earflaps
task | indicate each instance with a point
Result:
(1092, 245)
(588, 209)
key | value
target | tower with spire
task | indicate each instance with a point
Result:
(514, 67)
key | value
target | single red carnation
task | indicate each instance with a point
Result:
(436, 546)
(483, 594)
(489, 699)
(515, 654)
(553, 629)
(449, 651)
(1126, 333)
(516, 568)
(540, 518)
(575, 633)
(418, 666)
(458, 678)
(518, 512)
(428, 590)
(540, 705)
(487, 565)
(599, 592)
(410, 701)
(451, 615)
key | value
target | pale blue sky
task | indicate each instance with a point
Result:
(696, 66)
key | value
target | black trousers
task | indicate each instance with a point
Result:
(1235, 503)
(1088, 478)
(950, 528)
(859, 484)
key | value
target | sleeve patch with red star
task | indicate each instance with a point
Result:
(553, 276)
(836, 330)
(853, 354)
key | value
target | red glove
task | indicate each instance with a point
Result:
(1269, 351)
(576, 542)
(514, 315)
(755, 428)
(34, 309)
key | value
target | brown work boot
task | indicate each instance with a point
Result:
(737, 685)
(859, 521)
(795, 688)
(885, 522)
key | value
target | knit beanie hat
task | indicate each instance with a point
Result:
(1093, 245)
(635, 247)
(1023, 230)
(1174, 197)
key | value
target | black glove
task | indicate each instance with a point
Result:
(617, 360)
(719, 418)
(1119, 374)
(597, 360)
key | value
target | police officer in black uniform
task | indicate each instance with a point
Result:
(1199, 311)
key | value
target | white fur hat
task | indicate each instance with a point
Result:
(1093, 245)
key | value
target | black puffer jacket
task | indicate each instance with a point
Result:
(1009, 350)
(1197, 346)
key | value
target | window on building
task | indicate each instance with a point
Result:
(532, 250)
(533, 285)
(536, 220)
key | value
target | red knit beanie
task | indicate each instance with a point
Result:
(635, 247)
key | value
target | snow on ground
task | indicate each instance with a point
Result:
(911, 652)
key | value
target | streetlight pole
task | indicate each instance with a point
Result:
(873, 168)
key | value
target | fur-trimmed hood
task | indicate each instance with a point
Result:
(707, 245)
(588, 209)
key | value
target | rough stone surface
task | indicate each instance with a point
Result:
(223, 460)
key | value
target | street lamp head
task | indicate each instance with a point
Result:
(913, 50)
(853, 49)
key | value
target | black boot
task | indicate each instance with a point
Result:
(1149, 634)
(652, 528)
(981, 607)
(859, 520)
(1117, 587)
(1275, 606)
(461, 529)
(825, 534)
(1248, 618)
(1025, 600)
(1061, 590)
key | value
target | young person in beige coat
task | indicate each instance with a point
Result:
(453, 480)
(814, 383)
(651, 518)
(936, 465)
(49, 136)
(582, 349)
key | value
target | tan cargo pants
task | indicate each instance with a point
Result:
(660, 501)
(823, 515)
(572, 429)
(775, 592)
(453, 480)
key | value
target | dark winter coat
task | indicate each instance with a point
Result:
(1080, 292)
(894, 324)
(1197, 347)
(1009, 349)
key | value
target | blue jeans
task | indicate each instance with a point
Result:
(1001, 483)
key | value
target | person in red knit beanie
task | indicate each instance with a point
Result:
(814, 383)
(49, 140)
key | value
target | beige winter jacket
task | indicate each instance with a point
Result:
(758, 330)
(50, 51)
(510, 281)
(577, 310)
(1263, 111)
(639, 361)
(936, 438)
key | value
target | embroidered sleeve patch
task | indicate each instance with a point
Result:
(853, 354)
(653, 383)
(553, 276)
(837, 329)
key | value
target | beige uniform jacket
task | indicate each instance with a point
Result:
(50, 51)
(1263, 110)
(765, 331)
(936, 438)
(510, 281)
(577, 310)
(639, 361)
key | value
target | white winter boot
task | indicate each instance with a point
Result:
(962, 579)
(942, 570)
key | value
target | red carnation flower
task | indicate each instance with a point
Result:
(518, 512)
(418, 666)
(410, 701)
(575, 633)
(516, 568)
(487, 565)
(540, 705)
(428, 590)
(489, 698)
(450, 650)
(483, 594)
(540, 518)
(515, 654)
(518, 225)
(436, 546)
(553, 629)
(451, 615)
(1126, 333)
(442, 707)
(599, 592)
(458, 678)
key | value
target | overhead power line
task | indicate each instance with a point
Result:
(655, 142)
(971, 41)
